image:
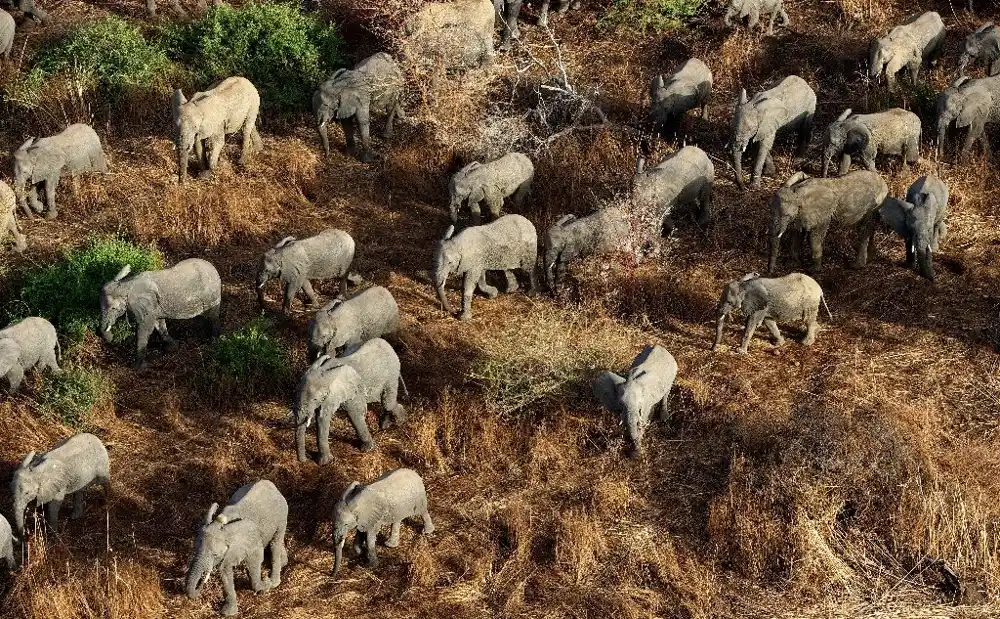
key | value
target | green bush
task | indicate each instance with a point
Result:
(71, 395)
(68, 292)
(252, 356)
(285, 53)
(650, 15)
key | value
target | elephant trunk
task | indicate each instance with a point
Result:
(324, 137)
(828, 155)
(262, 278)
(720, 324)
(19, 509)
(338, 557)
(777, 230)
(453, 206)
(197, 576)
(738, 164)
(728, 19)
(942, 134)
(551, 261)
(925, 262)
(300, 436)
(963, 63)
(440, 279)
(108, 321)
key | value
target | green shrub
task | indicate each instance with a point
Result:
(252, 356)
(70, 396)
(650, 15)
(285, 53)
(68, 292)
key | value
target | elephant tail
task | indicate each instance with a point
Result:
(406, 391)
(825, 306)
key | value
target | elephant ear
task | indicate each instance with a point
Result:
(210, 516)
(749, 276)
(178, 100)
(984, 27)
(477, 194)
(351, 490)
(449, 233)
(858, 138)
(975, 107)
(27, 144)
(285, 241)
(51, 476)
(565, 219)
(26, 463)
(796, 178)
(844, 116)
(755, 297)
(373, 513)
(318, 363)
(143, 305)
(123, 273)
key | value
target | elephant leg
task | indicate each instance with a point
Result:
(142, 333)
(812, 327)
(311, 294)
(291, 289)
(249, 143)
(36, 203)
(753, 18)
(475, 213)
(161, 328)
(805, 135)
(428, 523)
(370, 541)
(279, 556)
(770, 25)
(214, 319)
(393, 540)
(215, 151)
(511, 281)
(705, 203)
(773, 328)
(763, 152)
(364, 125)
(393, 111)
(543, 14)
(845, 164)
(866, 230)
(665, 407)
(49, 361)
(226, 575)
(816, 237)
(359, 541)
(510, 29)
(14, 377)
(783, 17)
(395, 413)
(79, 504)
(52, 513)
(753, 321)
(522, 192)
(323, 435)
(356, 415)
(348, 126)
(50, 198)
(489, 291)
(343, 283)
(914, 70)
(255, 561)
(494, 202)
(199, 154)
(975, 130)
(151, 7)
(469, 283)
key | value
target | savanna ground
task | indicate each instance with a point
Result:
(841, 480)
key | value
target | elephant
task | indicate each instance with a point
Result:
(671, 97)
(8, 218)
(373, 86)
(256, 516)
(509, 10)
(175, 6)
(70, 467)
(188, 289)
(751, 10)
(490, 182)
(810, 205)
(328, 255)
(633, 397)
(25, 345)
(507, 243)
(982, 46)
(792, 298)
(39, 163)
(7, 541)
(921, 220)
(7, 27)
(342, 325)
(230, 106)
(686, 177)
(892, 132)
(968, 103)
(377, 365)
(789, 106)
(389, 500)
(452, 35)
(570, 238)
(916, 41)
(31, 9)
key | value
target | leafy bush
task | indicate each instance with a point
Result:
(68, 292)
(252, 355)
(650, 15)
(71, 395)
(285, 53)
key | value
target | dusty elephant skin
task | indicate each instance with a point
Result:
(341, 325)
(892, 132)
(921, 219)
(509, 10)
(918, 40)
(752, 10)
(256, 517)
(455, 35)
(570, 238)
(7, 27)
(506, 244)
(373, 86)
(633, 397)
(672, 96)
(789, 106)
(328, 388)
(981, 47)
(70, 467)
(792, 298)
(298, 262)
(686, 177)
(8, 218)
(7, 541)
(203, 122)
(810, 206)
(178, 10)
(490, 182)
(40, 162)
(186, 290)
(26, 345)
(968, 104)
(33, 11)
(366, 509)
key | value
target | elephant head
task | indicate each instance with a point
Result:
(323, 334)
(348, 515)
(961, 106)
(878, 58)
(187, 125)
(734, 10)
(10, 353)
(844, 137)
(447, 260)
(271, 264)
(41, 482)
(747, 120)
(34, 163)
(317, 387)
(785, 207)
(978, 45)
(921, 224)
(556, 240)
(634, 413)
(220, 538)
(462, 188)
(742, 295)
(114, 301)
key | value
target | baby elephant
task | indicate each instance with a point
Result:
(256, 517)
(7, 541)
(920, 220)
(8, 218)
(892, 132)
(341, 325)
(491, 182)
(633, 398)
(30, 343)
(751, 10)
(40, 163)
(982, 46)
(603, 232)
(389, 500)
(908, 46)
(968, 104)
(686, 177)
(508, 243)
(328, 255)
(671, 97)
(70, 467)
(792, 298)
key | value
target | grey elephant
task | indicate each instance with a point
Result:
(792, 298)
(186, 290)
(916, 41)
(453, 35)
(39, 163)
(8, 218)
(572, 238)
(921, 220)
(26, 345)
(809, 206)
(373, 86)
(296, 262)
(686, 177)
(983, 47)
(256, 517)
(672, 96)
(789, 106)
(367, 509)
(892, 132)
(31, 9)
(506, 244)
(490, 182)
(202, 123)
(7, 541)
(645, 387)
(971, 104)
(70, 467)
(509, 10)
(7, 27)
(751, 10)
(341, 325)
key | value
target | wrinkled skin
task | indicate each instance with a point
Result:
(792, 298)
(509, 10)
(7, 541)
(685, 178)
(908, 46)
(982, 46)
(491, 182)
(8, 219)
(325, 388)
(893, 132)
(454, 35)
(751, 10)
(40, 163)
(342, 325)
(29, 344)
(672, 96)
(7, 26)
(570, 239)
(921, 221)
(31, 9)
(328, 255)
(968, 104)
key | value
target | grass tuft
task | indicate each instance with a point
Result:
(72, 394)
(251, 359)
(646, 16)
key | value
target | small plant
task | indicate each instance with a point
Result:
(68, 292)
(70, 395)
(650, 15)
(252, 357)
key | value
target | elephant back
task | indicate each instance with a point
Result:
(396, 495)
(79, 458)
(187, 289)
(259, 502)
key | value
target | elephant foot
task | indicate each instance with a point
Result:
(392, 542)
(429, 530)
(742, 350)
(303, 457)
(465, 316)
(779, 343)
(491, 293)
(367, 447)
(387, 421)
(265, 585)
(205, 174)
(367, 156)
(228, 610)
(326, 459)
(51, 215)
(543, 22)
(755, 183)
(140, 365)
